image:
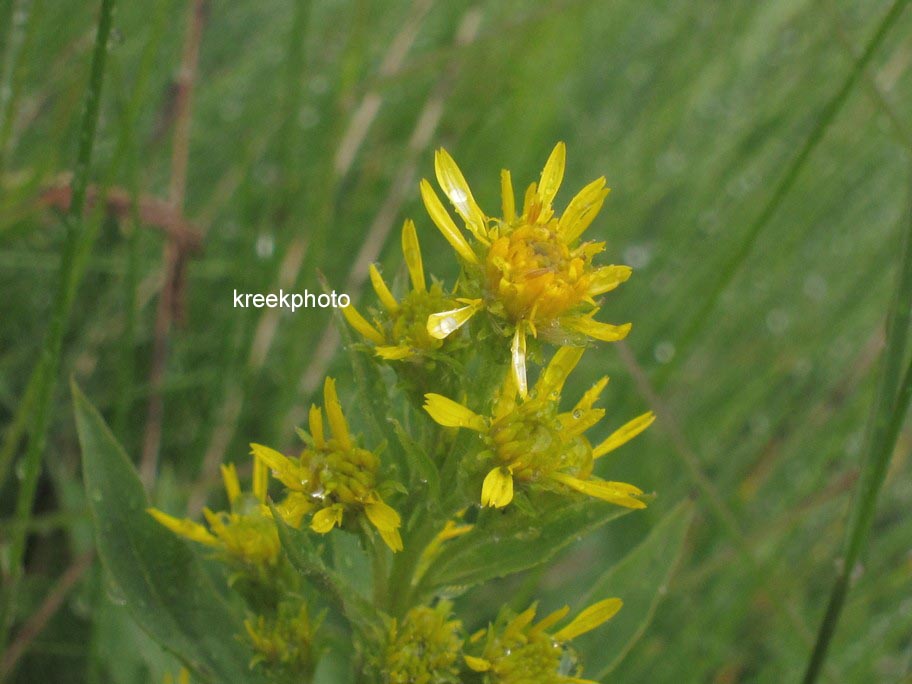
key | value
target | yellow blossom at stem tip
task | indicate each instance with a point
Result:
(529, 270)
(333, 475)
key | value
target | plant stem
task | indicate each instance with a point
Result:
(79, 238)
(884, 423)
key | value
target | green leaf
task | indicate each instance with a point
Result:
(151, 571)
(507, 542)
(640, 579)
(422, 469)
(336, 589)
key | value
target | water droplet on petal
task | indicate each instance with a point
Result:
(447, 325)
(460, 199)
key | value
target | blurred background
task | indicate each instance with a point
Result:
(760, 185)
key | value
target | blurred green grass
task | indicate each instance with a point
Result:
(693, 111)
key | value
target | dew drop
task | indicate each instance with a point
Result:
(577, 414)
(265, 246)
(459, 198)
(447, 325)
(664, 351)
(115, 593)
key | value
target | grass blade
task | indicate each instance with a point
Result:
(887, 414)
(72, 266)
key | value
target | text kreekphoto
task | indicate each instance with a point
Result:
(290, 300)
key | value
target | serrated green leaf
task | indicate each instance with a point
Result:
(507, 542)
(152, 572)
(640, 579)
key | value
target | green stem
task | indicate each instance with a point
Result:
(79, 237)
(884, 424)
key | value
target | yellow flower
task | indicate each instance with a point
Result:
(424, 648)
(333, 475)
(519, 652)
(530, 271)
(283, 639)
(246, 533)
(530, 441)
(400, 331)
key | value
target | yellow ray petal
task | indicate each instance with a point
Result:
(440, 325)
(445, 224)
(273, 460)
(555, 374)
(577, 422)
(315, 422)
(334, 414)
(232, 484)
(582, 210)
(260, 479)
(395, 352)
(624, 434)
(411, 250)
(552, 175)
(591, 395)
(518, 362)
(293, 508)
(497, 488)
(383, 292)
(508, 202)
(530, 200)
(477, 664)
(457, 190)
(607, 278)
(551, 619)
(450, 413)
(606, 332)
(505, 400)
(184, 527)
(594, 616)
(387, 521)
(359, 323)
(327, 518)
(619, 493)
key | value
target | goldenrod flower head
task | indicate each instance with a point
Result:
(333, 474)
(283, 639)
(530, 441)
(425, 647)
(516, 651)
(247, 533)
(400, 330)
(529, 271)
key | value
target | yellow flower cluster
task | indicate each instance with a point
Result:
(400, 331)
(529, 271)
(246, 533)
(517, 651)
(333, 475)
(524, 275)
(530, 441)
(424, 648)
